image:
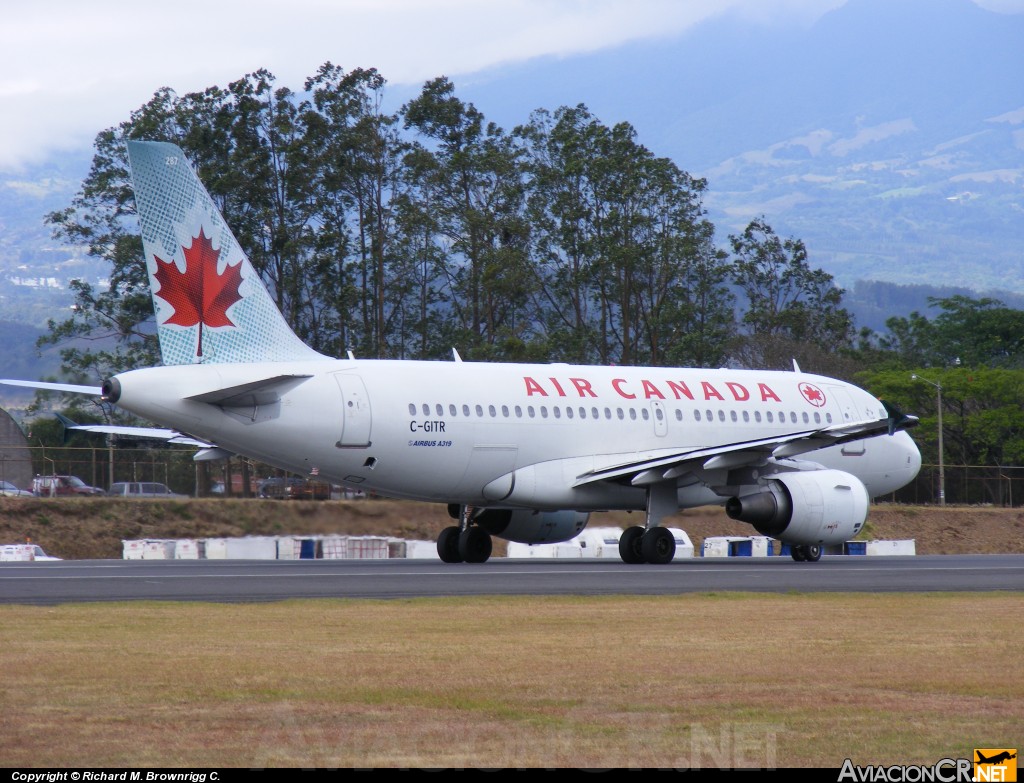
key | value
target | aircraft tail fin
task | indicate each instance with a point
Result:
(211, 305)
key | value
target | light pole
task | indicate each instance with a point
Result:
(942, 469)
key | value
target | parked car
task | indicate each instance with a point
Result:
(63, 486)
(142, 489)
(294, 488)
(8, 490)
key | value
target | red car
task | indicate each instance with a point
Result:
(62, 486)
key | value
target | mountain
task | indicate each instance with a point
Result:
(889, 136)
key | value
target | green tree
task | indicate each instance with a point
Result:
(971, 332)
(469, 177)
(621, 249)
(791, 310)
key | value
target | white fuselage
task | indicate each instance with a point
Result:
(509, 434)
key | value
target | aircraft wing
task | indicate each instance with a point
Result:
(745, 453)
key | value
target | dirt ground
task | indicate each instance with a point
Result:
(78, 528)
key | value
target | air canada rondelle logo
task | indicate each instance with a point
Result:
(812, 394)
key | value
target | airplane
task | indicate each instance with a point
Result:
(523, 452)
(996, 759)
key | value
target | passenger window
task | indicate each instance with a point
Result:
(721, 415)
(426, 409)
(817, 418)
(504, 411)
(453, 410)
(608, 413)
(529, 410)
(568, 412)
(621, 414)
(733, 416)
(492, 411)
(543, 411)
(558, 412)
(479, 411)
(696, 415)
(412, 409)
(632, 414)
(519, 412)
(465, 410)
(440, 409)
(679, 415)
(807, 419)
(646, 414)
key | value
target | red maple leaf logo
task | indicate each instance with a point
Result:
(199, 295)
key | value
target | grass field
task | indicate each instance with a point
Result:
(718, 680)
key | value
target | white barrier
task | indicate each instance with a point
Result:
(188, 549)
(905, 547)
(252, 548)
(158, 550)
(132, 550)
(737, 546)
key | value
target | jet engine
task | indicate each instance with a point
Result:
(532, 527)
(805, 507)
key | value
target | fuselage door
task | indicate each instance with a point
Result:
(355, 418)
(847, 413)
(660, 418)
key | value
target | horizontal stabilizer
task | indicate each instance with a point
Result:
(211, 454)
(262, 392)
(70, 388)
(142, 433)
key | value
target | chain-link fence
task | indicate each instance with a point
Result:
(101, 466)
(996, 485)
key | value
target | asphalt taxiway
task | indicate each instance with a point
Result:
(72, 581)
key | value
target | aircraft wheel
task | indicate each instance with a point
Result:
(812, 553)
(475, 545)
(448, 545)
(658, 546)
(798, 553)
(629, 545)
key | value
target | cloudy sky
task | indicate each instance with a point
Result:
(69, 68)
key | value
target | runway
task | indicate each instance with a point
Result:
(278, 580)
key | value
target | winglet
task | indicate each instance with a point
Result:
(898, 420)
(67, 426)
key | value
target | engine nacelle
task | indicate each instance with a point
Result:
(532, 527)
(805, 507)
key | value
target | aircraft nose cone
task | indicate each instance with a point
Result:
(911, 455)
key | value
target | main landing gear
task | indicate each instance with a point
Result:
(655, 545)
(807, 553)
(652, 544)
(464, 543)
